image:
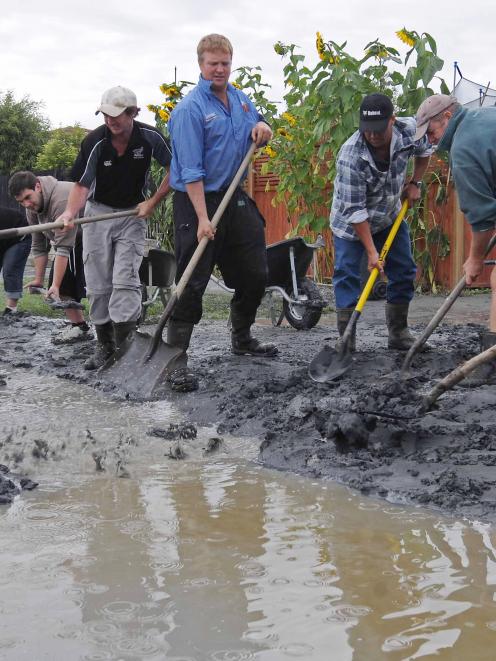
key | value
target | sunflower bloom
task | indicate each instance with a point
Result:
(289, 118)
(236, 85)
(164, 115)
(284, 133)
(271, 153)
(168, 105)
(152, 108)
(319, 43)
(406, 37)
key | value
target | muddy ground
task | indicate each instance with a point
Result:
(345, 430)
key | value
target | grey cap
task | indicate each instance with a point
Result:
(428, 109)
(116, 100)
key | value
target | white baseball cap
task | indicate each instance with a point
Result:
(116, 100)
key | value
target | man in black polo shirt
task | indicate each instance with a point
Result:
(110, 174)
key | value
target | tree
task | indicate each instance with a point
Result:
(23, 132)
(61, 149)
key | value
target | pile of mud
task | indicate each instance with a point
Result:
(363, 430)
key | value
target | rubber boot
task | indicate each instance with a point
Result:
(244, 344)
(399, 336)
(105, 346)
(343, 317)
(123, 331)
(484, 374)
(181, 379)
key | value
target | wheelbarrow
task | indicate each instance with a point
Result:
(288, 262)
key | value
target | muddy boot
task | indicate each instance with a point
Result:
(181, 379)
(123, 331)
(244, 344)
(343, 317)
(399, 336)
(484, 375)
(105, 346)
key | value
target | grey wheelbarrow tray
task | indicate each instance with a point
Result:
(288, 262)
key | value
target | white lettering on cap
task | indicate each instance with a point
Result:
(372, 112)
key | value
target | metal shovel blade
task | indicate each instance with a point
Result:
(329, 364)
(131, 371)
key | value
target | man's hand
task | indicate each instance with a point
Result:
(53, 293)
(145, 208)
(472, 269)
(34, 283)
(374, 262)
(68, 220)
(261, 133)
(205, 229)
(412, 193)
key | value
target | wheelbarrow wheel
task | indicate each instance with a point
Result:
(301, 315)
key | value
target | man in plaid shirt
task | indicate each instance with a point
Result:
(370, 183)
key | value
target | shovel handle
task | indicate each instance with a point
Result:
(440, 314)
(44, 227)
(200, 249)
(457, 375)
(385, 249)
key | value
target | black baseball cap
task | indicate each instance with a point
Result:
(375, 112)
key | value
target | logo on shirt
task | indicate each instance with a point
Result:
(138, 153)
(107, 163)
(209, 118)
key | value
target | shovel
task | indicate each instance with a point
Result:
(131, 368)
(330, 364)
(34, 229)
(437, 318)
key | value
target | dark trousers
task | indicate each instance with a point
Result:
(12, 263)
(399, 267)
(238, 250)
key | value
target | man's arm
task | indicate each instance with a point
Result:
(59, 268)
(362, 230)
(75, 202)
(146, 207)
(40, 263)
(411, 191)
(475, 262)
(196, 194)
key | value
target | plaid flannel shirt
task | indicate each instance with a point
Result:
(361, 191)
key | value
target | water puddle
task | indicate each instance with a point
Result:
(213, 557)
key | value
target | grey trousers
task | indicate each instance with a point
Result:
(112, 254)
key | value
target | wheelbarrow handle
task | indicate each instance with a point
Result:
(440, 314)
(200, 249)
(44, 227)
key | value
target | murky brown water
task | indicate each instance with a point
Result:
(215, 558)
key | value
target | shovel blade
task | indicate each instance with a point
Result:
(329, 364)
(133, 372)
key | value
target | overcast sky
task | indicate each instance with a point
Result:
(67, 54)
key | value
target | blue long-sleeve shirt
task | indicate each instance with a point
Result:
(209, 141)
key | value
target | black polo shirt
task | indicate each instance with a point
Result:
(119, 181)
(10, 218)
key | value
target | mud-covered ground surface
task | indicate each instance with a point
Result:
(362, 430)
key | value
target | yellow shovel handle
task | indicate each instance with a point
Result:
(385, 249)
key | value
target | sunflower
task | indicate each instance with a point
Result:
(289, 118)
(319, 43)
(408, 38)
(270, 152)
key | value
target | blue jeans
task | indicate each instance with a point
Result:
(12, 263)
(399, 267)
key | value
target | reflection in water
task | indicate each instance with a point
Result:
(222, 560)
(217, 559)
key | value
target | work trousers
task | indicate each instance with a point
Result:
(238, 250)
(12, 264)
(112, 254)
(399, 267)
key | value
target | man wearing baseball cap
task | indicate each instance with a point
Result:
(370, 182)
(110, 175)
(469, 135)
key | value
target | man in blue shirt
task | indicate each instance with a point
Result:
(370, 182)
(211, 131)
